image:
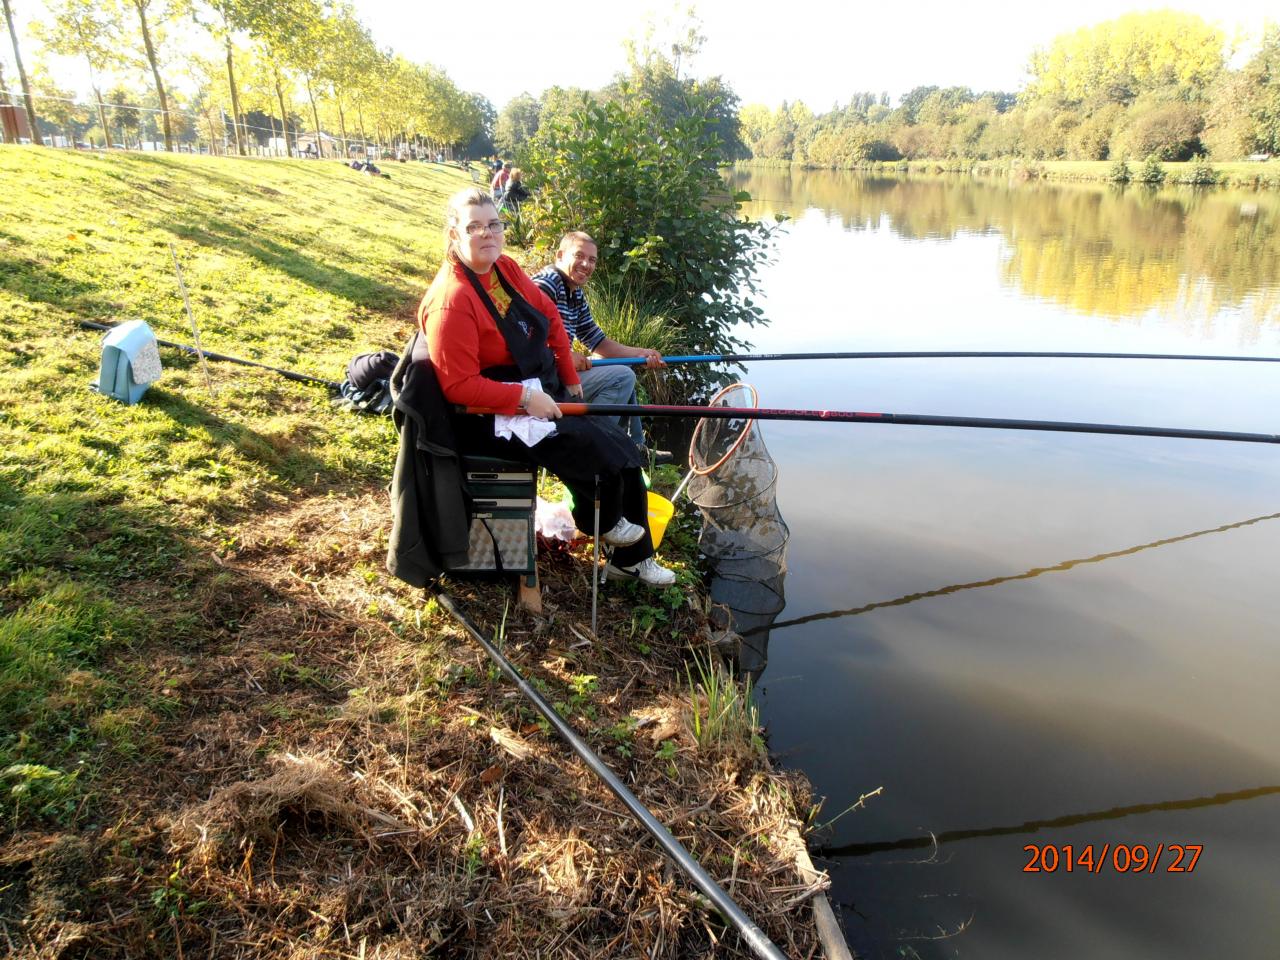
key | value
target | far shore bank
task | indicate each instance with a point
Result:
(1261, 175)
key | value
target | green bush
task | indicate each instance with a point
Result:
(1201, 173)
(650, 192)
(1120, 172)
(1152, 171)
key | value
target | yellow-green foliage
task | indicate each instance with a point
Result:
(1121, 58)
(298, 264)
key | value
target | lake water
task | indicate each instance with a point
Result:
(1030, 638)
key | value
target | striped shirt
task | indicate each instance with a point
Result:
(573, 307)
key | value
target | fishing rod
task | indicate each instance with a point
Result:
(921, 354)
(289, 374)
(905, 419)
(756, 938)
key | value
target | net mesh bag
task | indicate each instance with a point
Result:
(734, 485)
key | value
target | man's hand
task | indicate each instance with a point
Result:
(581, 362)
(543, 407)
(575, 391)
(652, 358)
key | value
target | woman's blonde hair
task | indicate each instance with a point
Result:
(517, 173)
(454, 206)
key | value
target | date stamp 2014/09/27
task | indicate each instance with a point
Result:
(1118, 858)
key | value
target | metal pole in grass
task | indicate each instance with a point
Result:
(195, 331)
(287, 374)
(756, 938)
(901, 419)
(595, 558)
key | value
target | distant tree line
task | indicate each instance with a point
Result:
(1145, 85)
(282, 66)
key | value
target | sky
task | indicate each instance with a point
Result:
(818, 52)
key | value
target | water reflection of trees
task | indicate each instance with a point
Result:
(1097, 249)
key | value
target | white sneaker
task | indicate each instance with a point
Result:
(648, 571)
(624, 533)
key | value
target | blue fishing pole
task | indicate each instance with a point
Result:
(921, 354)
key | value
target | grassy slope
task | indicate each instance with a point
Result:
(212, 699)
(1232, 173)
(295, 264)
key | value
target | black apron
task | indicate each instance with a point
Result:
(582, 448)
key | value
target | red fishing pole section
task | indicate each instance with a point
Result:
(574, 409)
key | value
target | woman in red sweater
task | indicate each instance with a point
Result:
(488, 328)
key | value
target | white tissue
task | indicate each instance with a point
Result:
(529, 430)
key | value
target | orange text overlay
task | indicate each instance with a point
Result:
(1118, 858)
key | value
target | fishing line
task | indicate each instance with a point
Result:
(923, 354)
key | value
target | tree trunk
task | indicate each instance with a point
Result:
(315, 114)
(235, 100)
(4, 101)
(22, 76)
(284, 116)
(360, 117)
(342, 127)
(97, 95)
(141, 7)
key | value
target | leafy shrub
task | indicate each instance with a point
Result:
(1151, 172)
(1200, 174)
(1119, 172)
(649, 190)
(1167, 131)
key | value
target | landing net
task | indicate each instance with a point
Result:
(733, 483)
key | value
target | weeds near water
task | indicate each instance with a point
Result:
(724, 714)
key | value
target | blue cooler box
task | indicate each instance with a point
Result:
(130, 362)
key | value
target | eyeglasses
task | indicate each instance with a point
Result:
(493, 226)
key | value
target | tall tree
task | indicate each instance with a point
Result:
(1120, 59)
(223, 19)
(150, 13)
(22, 73)
(89, 29)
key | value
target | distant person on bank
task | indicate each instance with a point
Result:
(496, 342)
(563, 282)
(517, 193)
(498, 185)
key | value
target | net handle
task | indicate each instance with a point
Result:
(697, 431)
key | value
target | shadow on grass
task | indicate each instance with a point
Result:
(220, 234)
(33, 281)
(287, 458)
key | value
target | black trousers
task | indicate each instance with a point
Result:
(581, 451)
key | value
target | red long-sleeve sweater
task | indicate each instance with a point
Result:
(463, 339)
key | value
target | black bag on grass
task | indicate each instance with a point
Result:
(367, 388)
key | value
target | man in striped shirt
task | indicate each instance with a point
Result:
(563, 282)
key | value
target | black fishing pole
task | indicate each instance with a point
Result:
(756, 938)
(905, 419)
(289, 374)
(921, 354)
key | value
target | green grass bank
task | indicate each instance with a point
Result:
(1258, 175)
(224, 730)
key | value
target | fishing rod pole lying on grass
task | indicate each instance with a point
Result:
(906, 419)
(756, 938)
(289, 374)
(920, 354)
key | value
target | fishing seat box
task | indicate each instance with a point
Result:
(130, 362)
(502, 495)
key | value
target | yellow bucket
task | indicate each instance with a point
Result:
(660, 511)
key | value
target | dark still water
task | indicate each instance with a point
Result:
(1030, 638)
